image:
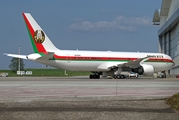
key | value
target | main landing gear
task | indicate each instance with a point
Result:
(119, 76)
(95, 75)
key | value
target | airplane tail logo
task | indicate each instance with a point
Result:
(39, 36)
(40, 41)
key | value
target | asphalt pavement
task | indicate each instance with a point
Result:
(50, 98)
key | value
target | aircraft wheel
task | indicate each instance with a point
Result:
(114, 76)
(97, 76)
(118, 76)
(91, 76)
(94, 76)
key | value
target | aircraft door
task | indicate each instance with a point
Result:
(68, 58)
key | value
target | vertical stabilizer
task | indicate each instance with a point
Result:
(40, 41)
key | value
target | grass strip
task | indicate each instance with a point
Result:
(47, 72)
(174, 101)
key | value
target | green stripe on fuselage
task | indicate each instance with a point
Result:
(103, 60)
(91, 60)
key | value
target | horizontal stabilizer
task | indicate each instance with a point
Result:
(16, 56)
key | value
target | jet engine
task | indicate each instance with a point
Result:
(144, 69)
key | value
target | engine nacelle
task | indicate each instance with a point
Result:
(33, 56)
(144, 69)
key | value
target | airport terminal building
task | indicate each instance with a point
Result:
(167, 17)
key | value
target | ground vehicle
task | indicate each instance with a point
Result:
(162, 74)
(4, 74)
(133, 74)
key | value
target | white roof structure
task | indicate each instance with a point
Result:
(165, 7)
(156, 17)
(161, 12)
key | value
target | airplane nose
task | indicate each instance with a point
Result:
(173, 63)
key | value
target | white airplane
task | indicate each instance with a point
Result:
(98, 62)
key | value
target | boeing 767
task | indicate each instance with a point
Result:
(98, 62)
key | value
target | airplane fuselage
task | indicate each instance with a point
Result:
(91, 60)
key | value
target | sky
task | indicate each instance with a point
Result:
(116, 25)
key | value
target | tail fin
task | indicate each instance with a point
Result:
(40, 41)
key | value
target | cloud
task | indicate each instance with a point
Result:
(120, 23)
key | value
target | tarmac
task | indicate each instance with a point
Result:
(50, 98)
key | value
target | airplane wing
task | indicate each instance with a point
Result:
(135, 63)
(107, 66)
(130, 64)
(16, 55)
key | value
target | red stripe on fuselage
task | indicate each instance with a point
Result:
(108, 58)
(39, 46)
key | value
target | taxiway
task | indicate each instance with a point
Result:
(82, 98)
(84, 87)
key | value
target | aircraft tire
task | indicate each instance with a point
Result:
(91, 76)
(114, 76)
(97, 76)
(94, 76)
(118, 77)
(123, 76)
